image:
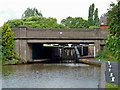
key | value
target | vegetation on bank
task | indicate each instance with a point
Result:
(0, 45)
(7, 43)
(113, 40)
(109, 85)
(7, 46)
(106, 55)
(106, 59)
(112, 51)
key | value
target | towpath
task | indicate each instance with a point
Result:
(112, 73)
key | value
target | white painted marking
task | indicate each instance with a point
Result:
(111, 74)
(109, 70)
(99, 59)
(109, 62)
(110, 66)
(113, 79)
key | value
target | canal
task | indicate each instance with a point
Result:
(50, 75)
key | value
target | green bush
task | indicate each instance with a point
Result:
(7, 43)
(91, 27)
(106, 55)
(110, 85)
(14, 61)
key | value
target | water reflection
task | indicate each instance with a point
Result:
(50, 76)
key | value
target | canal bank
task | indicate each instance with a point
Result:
(112, 73)
(102, 66)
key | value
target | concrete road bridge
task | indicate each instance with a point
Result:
(25, 38)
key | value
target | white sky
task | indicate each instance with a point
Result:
(60, 9)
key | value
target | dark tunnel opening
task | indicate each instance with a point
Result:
(58, 52)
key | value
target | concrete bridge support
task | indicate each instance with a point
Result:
(97, 46)
(21, 46)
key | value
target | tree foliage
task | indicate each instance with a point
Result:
(7, 43)
(96, 19)
(93, 18)
(90, 16)
(113, 20)
(31, 12)
(35, 22)
(0, 43)
(14, 23)
(76, 22)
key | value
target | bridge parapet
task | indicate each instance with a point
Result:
(24, 32)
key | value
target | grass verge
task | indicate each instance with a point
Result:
(106, 59)
(110, 85)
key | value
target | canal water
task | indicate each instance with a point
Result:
(64, 75)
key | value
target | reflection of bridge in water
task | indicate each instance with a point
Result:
(29, 41)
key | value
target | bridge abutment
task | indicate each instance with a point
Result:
(21, 44)
(97, 46)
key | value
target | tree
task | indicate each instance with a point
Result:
(0, 43)
(90, 16)
(96, 19)
(76, 22)
(35, 22)
(14, 23)
(31, 12)
(113, 20)
(93, 18)
(7, 43)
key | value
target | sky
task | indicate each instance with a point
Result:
(59, 9)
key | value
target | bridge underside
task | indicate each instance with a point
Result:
(24, 47)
